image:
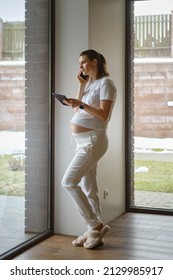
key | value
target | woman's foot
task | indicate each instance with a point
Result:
(79, 241)
(95, 237)
(94, 233)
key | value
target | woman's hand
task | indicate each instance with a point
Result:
(72, 102)
(81, 80)
(101, 113)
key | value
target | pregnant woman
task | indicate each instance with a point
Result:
(93, 107)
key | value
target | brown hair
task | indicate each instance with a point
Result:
(101, 62)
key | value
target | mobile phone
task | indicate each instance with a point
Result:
(83, 76)
(60, 97)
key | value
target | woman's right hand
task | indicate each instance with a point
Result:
(81, 79)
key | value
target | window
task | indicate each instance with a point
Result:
(27, 207)
(148, 108)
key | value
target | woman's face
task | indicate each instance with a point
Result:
(88, 67)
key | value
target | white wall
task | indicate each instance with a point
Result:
(71, 38)
(107, 35)
(76, 30)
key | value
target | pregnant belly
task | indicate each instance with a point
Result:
(78, 129)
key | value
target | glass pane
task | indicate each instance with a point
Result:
(153, 111)
(24, 121)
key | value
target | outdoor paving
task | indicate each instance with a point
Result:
(154, 200)
(12, 219)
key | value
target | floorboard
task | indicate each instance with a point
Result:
(132, 236)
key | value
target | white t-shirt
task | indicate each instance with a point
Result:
(96, 90)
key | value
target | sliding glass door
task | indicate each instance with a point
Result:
(25, 127)
(149, 108)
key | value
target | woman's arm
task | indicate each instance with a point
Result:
(82, 85)
(80, 91)
(79, 94)
(100, 113)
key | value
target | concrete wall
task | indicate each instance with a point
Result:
(78, 29)
(37, 117)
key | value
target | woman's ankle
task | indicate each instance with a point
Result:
(99, 227)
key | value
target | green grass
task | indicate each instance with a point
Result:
(11, 182)
(159, 178)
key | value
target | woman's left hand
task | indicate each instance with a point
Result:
(72, 102)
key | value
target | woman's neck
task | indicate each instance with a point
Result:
(95, 76)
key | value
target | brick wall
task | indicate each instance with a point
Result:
(1, 38)
(153, 88)
(12, 96)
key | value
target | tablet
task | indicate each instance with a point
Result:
(60, 97)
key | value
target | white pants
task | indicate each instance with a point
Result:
(80, 177)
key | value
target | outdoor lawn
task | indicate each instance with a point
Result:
(159, 177)
(12, 175)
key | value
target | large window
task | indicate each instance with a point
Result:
(25, 131)
(149, 105)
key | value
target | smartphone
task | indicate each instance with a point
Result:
(60, 97)
(83, 76)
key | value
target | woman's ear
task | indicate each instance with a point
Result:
(94, 61)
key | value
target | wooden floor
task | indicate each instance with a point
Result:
(133, 236)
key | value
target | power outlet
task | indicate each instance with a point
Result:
(105, 193)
